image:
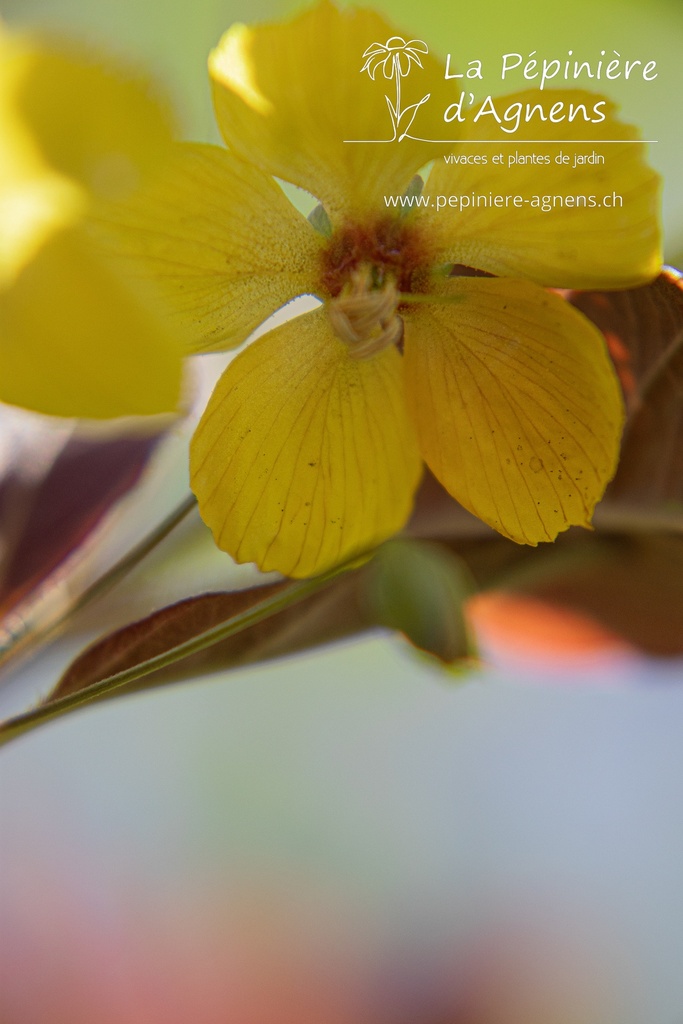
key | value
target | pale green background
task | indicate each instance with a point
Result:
(174, 39)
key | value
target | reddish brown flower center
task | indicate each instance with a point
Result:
(364, 270)
(394, 250)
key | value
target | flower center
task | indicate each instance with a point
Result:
(364, 270)
(365, 318)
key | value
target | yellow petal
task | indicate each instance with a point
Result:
(568, 244)
(92, 121)
(32, 209)
(516, 403)
(288, 95)
(35, 200)
(20, 153)
(220, 242)
(305, 456)
(76, 343)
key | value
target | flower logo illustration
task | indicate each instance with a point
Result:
(395, 58)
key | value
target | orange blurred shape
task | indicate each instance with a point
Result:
(517, 624)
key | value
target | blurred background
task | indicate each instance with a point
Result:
(349, 835)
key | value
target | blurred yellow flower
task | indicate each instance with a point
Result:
(74, 339)
(311, 447)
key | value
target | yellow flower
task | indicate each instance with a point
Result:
(311, 447)
(74, 339)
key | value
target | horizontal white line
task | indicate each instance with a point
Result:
(521, 142)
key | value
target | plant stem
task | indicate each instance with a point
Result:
(397, 70)
(136, 554)
(17, 726)
(615, 517)
(654, 375)
(28, 636)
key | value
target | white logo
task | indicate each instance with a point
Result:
(395, 58)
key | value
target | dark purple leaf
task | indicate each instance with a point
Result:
(643, 328)
(318, 619)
